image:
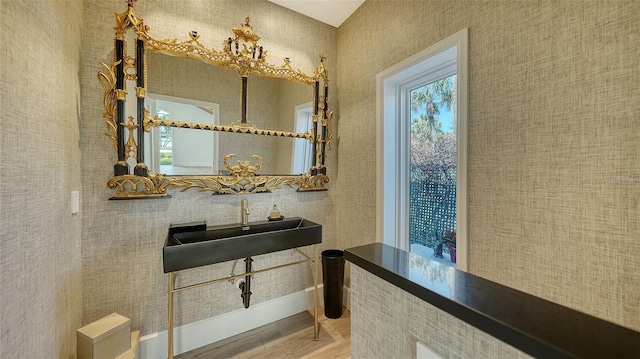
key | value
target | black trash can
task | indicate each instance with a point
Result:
(333, 280)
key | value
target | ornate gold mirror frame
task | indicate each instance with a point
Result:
(240, 53)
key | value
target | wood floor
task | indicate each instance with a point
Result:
(291, 337)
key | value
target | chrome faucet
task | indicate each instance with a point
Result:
(245, 212)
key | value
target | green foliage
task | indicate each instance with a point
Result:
(433, 152)
(421, 129)
(449, 237)
(430, 98)
(432, 208)
(434, 161)
(166, 158)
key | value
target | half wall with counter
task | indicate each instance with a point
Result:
(400, 300)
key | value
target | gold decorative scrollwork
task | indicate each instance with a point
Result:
(126, 20)
(131, 146)
(155, 186)
(246, 33)
(242, 168)
(131, 186)
(130, 68)
(141, 92)
(234, 185)
(310, 182)
(241, 53)
(108, 82)
(155, 121)
(327, 122)
(243, 180)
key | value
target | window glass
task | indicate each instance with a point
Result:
(432, 169)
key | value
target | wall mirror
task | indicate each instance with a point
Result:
(184, 116)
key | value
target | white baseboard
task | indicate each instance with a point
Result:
(194, 335)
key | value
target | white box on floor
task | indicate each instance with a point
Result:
(106, 338)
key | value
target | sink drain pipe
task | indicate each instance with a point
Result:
(246, 286)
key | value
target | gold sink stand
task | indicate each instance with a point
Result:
(313, 262)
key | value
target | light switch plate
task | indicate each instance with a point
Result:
(75, 202)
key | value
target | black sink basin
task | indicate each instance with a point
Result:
(195, 244)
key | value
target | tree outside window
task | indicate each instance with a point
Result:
(432, 208)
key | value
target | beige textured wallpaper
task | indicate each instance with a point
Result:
(122, 240)
(554, 176)
(40, 262)
(401, 320)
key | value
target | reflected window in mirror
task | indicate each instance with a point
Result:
(302, 149)
(180, 151)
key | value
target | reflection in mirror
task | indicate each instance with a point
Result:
(180, 151)
(302, 150)
(176, 151)
(272, 102)
(195, 80)
(276, 104)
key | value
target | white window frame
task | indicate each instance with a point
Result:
(392, 137)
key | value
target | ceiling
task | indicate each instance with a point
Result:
(332, 12)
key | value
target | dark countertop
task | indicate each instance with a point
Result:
(534, 325)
